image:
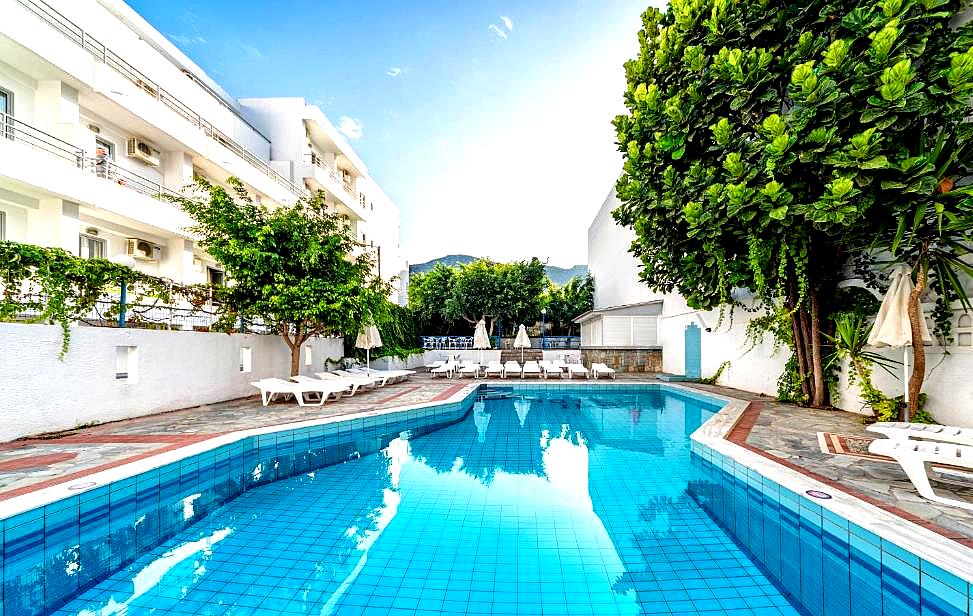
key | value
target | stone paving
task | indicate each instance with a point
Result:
(783, 432)
(788, 434)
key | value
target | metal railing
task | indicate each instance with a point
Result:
(16, 130)
(109, 311)
(100, 52)
(106, 168)
(446, 343)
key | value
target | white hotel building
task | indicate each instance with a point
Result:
(102, 117)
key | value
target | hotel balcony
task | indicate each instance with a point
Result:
(43, 164)
(105, 75)
(321, 176)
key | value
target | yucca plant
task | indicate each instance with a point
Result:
(850, 342)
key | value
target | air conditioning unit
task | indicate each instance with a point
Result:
(140, 150)
(142, 250)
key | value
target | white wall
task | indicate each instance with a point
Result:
(176, 370)
(609, 262)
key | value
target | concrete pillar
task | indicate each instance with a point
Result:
(54, 223)
(177, 170)
(56, 111)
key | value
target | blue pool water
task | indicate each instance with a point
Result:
(537, 502)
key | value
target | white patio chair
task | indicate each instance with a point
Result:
(598, 369)
(512, 368)
(551, 369)
(913, 456)
(493, 367)
(578, 369)
(325, 387)
(271, 388)
(903, 430)
(446, 370)
(531, 368)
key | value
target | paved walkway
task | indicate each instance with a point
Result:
(782, 432)
(789, 434)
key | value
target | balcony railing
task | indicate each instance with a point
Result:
(15, 130)
(87, 42)
(106, 168)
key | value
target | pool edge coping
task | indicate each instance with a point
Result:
(922, 542)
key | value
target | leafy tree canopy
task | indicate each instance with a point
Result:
(452, 300)
(296, 268)
(766, 144)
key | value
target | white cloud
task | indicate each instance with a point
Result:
(252, 52)
(497, 31)
(507, 22)
(395, 71)
(187, 39)
(351, 128)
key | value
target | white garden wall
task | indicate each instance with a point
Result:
(175, 369)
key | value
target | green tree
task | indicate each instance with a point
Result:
(428, 294)
(454, 299)
(762, 141)
(293, 267)
(567, 302)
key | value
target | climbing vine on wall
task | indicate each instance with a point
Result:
(61, 288)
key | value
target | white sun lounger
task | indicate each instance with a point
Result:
(913, 456)
(355, 384)
(578, 369)
(271, 388)
(470, 367)
(493, 367)
(531, 367)
(902, 430)
(378, 379)
(599, 369)
(326, 387)
(512, 368)
(446, 370)
(392, 375)
(550, 368)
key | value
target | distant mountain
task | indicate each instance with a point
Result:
(558, 275)
(561, 275)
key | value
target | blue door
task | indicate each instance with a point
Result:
(694, 352)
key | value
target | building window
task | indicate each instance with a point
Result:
(3, 226)
(104, 149)
(7, 109)
(127, 363)
(964, 330)
(215, 276)
(91, 247)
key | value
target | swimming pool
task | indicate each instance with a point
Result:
(528, 499)
(537, 502)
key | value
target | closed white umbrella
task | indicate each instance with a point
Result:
(892, 327)
(368, 339)
(521, 341)
(480, 338)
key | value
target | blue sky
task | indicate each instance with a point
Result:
(488, 123)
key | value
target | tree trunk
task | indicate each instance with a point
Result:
(918, 348)
(799, 346)
(294, 344)
(820, 395)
